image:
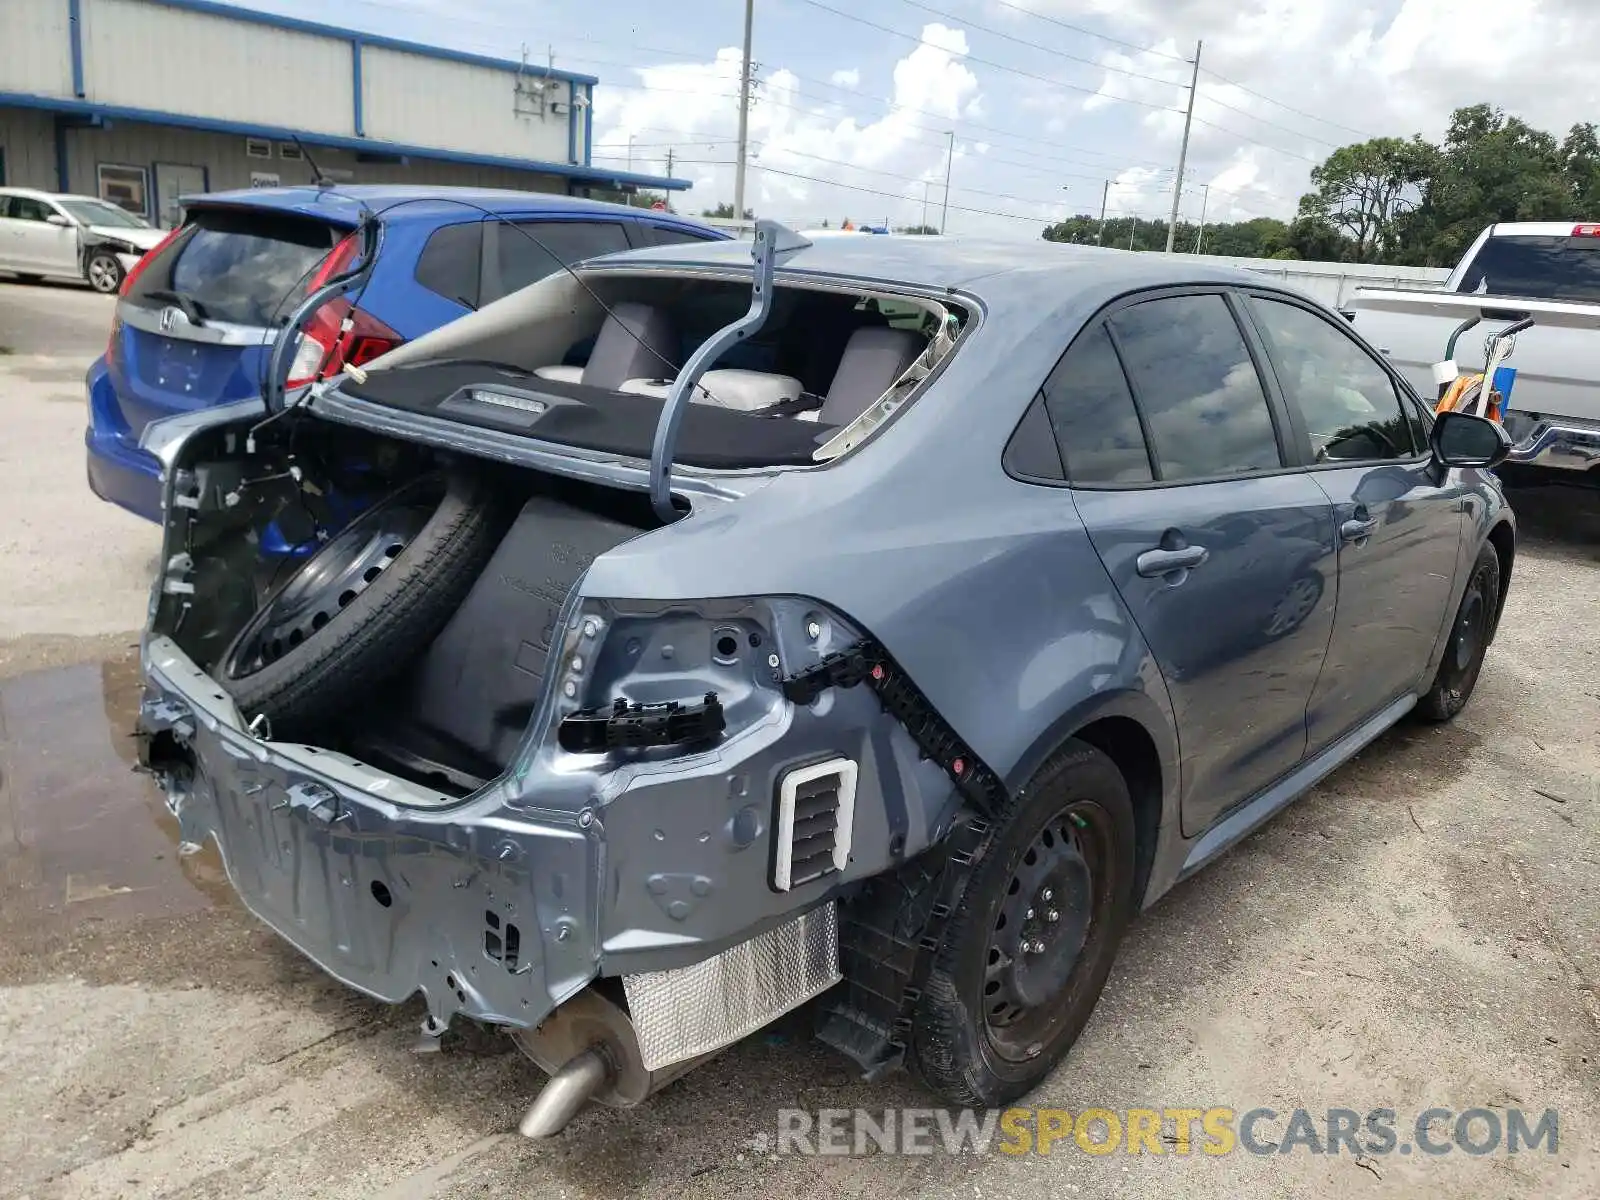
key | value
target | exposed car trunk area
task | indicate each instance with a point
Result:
(375, 598)
(588, 360)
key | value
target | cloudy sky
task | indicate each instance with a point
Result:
(1047, 99)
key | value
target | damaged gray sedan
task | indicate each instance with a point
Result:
(707, 630)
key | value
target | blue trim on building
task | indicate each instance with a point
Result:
(75, 36)
(295, 24)
(358, 124)
(102, 112)
(63, 183)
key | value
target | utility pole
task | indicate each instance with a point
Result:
(1183, 149)
(1105, 194)
(744, 115)
(1133, 228)
(1205, 196)
(669, 162)
(630, 152)
(925, 184)
(949, 161)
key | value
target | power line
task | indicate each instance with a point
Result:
(1289, 107)
(1054, 53)
(1104, 37)
(901, 33)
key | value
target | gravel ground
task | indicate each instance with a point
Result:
(1423, 929)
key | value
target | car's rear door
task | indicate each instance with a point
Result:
(1400, 521)
(195, 325)
(1221, 547)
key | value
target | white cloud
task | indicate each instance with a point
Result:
(811, 160)
(849, 78)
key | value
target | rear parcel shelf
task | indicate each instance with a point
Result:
(502, 397)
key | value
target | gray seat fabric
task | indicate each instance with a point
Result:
(873, 359)
(650, 352)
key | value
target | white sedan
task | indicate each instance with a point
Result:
(71, 237)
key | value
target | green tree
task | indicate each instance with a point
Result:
(921, 229)
(1363, 190)
(1490, 168)
(725, 212)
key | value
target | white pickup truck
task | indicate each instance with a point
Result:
(1545, 271)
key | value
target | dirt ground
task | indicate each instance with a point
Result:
(1422, 930)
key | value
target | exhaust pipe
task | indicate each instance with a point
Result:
(568, 1090)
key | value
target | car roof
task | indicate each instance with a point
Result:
(988, 268)
(344, 204)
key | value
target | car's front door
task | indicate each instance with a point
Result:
(40, 246)
(1399, 518)
(1222, 552)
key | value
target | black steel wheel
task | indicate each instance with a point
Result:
(365, 604)
(1024, 958)
(1468, 641)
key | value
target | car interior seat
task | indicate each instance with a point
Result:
(874, 357)
(636, 341)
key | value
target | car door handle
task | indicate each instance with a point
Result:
(1154, 563)
(1354, 531)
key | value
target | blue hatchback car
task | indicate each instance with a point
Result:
(196, 320)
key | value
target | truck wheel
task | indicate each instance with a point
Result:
(104, 273)
(366, 603)
(1027, 951)
(1469, 641)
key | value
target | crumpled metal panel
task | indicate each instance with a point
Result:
(689, 1011)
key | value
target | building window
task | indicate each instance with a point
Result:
(257, 148)
(289, 151)
(126, 187)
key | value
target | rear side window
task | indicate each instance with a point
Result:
(1092, 412)
(547, 247)
(1540, 268)
(249, 268)
(23, 208)
(1197, 387)
(451, 264)
(664, 235)
(1350, 406)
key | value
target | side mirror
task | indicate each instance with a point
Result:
(56, 219)
(1464, 440)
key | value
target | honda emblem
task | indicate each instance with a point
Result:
(169, 318)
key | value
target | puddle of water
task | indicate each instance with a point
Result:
(82, 836)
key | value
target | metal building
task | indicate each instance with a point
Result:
(141, 101)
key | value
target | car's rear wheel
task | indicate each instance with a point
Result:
(1468, 641)
(1027, 952)
(104, 272)
(364, 604)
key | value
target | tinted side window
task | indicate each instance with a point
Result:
(1091, 409)
(523, 260)
(662, 235)
(1348, 401)
(451, 263)
(1197, 387)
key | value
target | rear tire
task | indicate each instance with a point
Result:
(364, 605)
(1468, 641)
(1028, 949)
(104, 273)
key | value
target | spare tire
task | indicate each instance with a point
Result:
(364, 605)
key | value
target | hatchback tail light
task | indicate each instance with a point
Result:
(1586, 231)
(338, 335)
